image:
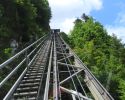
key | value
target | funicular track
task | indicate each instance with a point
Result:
(54, 73)
(29, 87)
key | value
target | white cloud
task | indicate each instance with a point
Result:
(119, 31)
(64, 10)
(64, 3)
(119, 24)
(121, 18)
(90, 5)
(86, 5)
(68, 24)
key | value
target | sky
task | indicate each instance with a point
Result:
(110, 13)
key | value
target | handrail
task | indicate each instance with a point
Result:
(11, 91)
(17, 67)
(18, 54)
(37, 45)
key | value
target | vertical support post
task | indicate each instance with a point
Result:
(73, 97)
(27, 58)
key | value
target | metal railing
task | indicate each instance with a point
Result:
(29, 54)
(91, 77)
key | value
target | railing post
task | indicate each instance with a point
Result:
(27, 58)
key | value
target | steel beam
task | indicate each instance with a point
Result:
(48, 75)
(55, 74)
(74, 93)
(70, 65)
(71, 76)
(97, 85)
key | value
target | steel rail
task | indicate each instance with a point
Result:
(55, 79)
(48, 75)
(46, 51)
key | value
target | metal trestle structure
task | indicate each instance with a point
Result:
(53, 72)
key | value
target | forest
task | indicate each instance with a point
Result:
(23, 21)
(103, 54)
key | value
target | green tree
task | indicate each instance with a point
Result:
(103, 54)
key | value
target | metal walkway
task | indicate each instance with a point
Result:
(52, 71)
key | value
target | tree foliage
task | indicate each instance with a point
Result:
(103, 54)
(21, 19)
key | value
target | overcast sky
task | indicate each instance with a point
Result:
(111, 13)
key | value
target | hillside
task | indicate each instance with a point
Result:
(23, 21)
(103, 54)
